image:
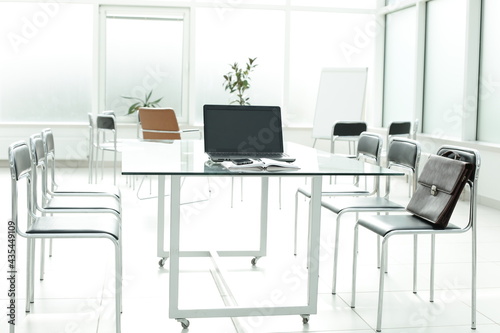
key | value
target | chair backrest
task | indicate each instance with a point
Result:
(19, 160)
(403, 153)
(370, 146)
(37, 150)
(20, 168)
(39, 164)
(106, 124)
(473, 157)
(48, 143)
(414, 129)
(349, 128)
(399, 128)
(91, 128)
(159, 124)
(346, 131)
(50, 160)
(106, 121)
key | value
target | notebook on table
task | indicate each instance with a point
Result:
(243, 131)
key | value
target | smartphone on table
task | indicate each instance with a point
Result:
(241, 161)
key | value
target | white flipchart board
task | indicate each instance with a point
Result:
(341, 96)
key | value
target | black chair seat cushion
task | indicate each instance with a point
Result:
(372, 204)
(383, 224)
(76, 224)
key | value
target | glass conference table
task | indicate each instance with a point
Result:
(187, 158)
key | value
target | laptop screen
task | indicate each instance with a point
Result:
(248, 128)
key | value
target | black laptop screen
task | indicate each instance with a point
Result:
(234, 128)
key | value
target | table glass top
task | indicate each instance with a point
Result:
(187, 157)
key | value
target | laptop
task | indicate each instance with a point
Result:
(243, 131)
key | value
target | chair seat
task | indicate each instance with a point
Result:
(77, 224)
(335, 190)
(84, 202)
(370, 204)
(383, 224)
(89, 189)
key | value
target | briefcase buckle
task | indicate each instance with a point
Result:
(434, 190)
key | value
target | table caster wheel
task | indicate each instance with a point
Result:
(254, 261)
(162, 262)
(305, 319)
(184, 322)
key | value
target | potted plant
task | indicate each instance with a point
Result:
(237, 81)
(142, 102)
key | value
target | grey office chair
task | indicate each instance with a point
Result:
(105, 127)
(388, 226)
(48, 204)
(369, 148)
(54, 189)
(403, 154)
(347, 131)
(106, 226)
(400, 129)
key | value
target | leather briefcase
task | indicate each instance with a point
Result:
(439, 187)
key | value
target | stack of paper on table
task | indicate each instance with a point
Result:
(261, 164)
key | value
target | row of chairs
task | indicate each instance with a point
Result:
(351, 130)
(404, 154)
(53, 211)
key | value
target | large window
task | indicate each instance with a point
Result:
(444, 68)
(399, 67)
(45, 62)
(489, 89)
(320, 40)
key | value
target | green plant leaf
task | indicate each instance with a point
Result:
(133, 108)
(128, 97)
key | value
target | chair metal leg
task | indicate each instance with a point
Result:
(415, 255)
(336, 254)
(378, 251)
(114, 168)
(386, 254)
(42, 259)
(433, 249)
(91, 158)
(474, 278)
(30, 267)
(102, 165)
(354, 266)
(118, 285)
(381, 285)
(295, 226)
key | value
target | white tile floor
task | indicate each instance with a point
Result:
(77, 292)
